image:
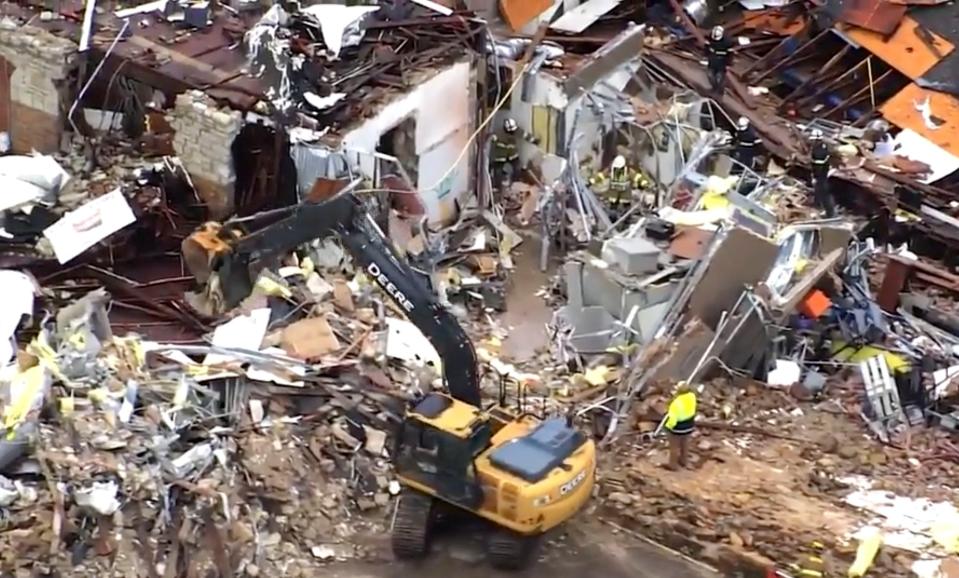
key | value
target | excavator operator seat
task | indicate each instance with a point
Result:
(533, 456)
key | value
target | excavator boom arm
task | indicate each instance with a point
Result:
(345, 217)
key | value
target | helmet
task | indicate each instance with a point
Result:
(619, 162)
(717, 32)
(509, 125)
(815, 134)
(742, 123)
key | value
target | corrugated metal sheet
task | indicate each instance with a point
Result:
(583, 16)
(905, 50)
(876, 15)
(314, 162)
(942, 128)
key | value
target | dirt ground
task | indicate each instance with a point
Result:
(587, 547)
(750, 500)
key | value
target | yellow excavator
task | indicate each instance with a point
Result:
(522, 474)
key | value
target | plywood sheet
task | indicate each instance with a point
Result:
(905, 50)
(519, 13)
(876, 15)
(901, 111)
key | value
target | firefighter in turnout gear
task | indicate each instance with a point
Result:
(748, 145)
(820, 158)
(680, 422)
(621, 184)
(718, 54)
(506, 152)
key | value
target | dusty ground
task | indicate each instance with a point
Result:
(588, 548)
(527, 313)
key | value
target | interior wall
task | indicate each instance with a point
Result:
(441, 108)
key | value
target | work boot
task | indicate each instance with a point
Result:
(674, 453)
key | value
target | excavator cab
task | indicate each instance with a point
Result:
(522, 474)
(437, 446)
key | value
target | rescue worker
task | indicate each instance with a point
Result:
(621, 183)
(748, 145)
(718, 53)
(820, 157)
(506, 152)
(680, 422)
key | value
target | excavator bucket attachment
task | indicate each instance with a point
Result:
(208, 255)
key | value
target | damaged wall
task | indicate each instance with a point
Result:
(441, 107)
(34, 97)
(204, 136)
(581, 114)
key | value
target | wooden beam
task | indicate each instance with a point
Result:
(818, 76)
(764, 58)
(836, 82)
(857, 95)
(792, 57)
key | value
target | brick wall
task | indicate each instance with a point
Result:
(203, 140)
(38, 98)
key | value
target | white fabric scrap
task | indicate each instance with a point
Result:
(339, 24)
(320, 102)
(18, 292)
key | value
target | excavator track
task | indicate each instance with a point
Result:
(508, 550)
(412, 525)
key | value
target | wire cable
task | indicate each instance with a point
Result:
(479, 129)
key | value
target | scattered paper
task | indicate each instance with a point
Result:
(99, 497)
(907, 523)
(243, 332)
(404, 341)
(141, 9)
(84, 227)
(786, 373)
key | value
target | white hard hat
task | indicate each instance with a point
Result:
(509, 125)
(742, 123)
(815, 134)
(619, 162)
(718, 32)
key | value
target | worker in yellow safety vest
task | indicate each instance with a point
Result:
(621, 182)
(680, 422)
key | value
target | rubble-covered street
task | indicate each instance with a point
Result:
(661, 288)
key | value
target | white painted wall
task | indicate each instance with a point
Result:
(442, 109)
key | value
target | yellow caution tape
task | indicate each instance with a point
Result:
(26, 387)
(946, 534)
(865, 554)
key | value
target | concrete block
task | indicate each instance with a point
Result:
(573, 271)
(649, 320)
(635, 256)
(594, 329)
